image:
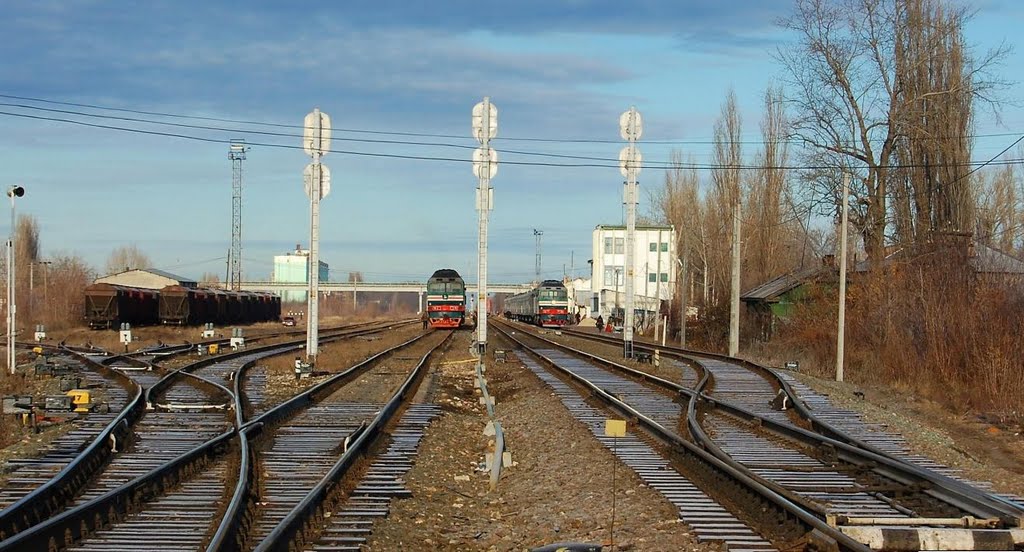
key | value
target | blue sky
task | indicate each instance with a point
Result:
(555, 70)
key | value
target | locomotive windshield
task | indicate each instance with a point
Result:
(444, 288)
(553, 295)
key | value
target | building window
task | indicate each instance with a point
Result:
(609, 274)
(664, 246)
(664, 276)
(620, 245)
(654, 246)
(607, 245)
(652, 277)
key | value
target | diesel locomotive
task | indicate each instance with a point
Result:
(446, 299)
(546, 305)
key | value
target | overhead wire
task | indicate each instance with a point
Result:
(604, 162)
(679, 141)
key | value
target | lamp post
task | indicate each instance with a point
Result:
(12, 192)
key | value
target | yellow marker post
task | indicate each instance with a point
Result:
(614, 429)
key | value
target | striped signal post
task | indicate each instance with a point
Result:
(485, 166)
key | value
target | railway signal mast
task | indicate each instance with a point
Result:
(485, 166)
(236, 153)
(316, 140)
(630, 128)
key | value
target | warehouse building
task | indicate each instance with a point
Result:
(147, 278)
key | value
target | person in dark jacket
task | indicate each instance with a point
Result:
(600, 323)
(424, 317)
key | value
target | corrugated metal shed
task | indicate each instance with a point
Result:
(147, 278)
(771, 290)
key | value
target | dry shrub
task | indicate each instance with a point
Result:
(931, 325)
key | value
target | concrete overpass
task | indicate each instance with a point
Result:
(388, 287)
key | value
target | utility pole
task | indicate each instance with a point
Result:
(734, 303)
(236, 153)
(316, 141)
(537, 234)
(684, 297)
(841, 334)
(630, 128)
(485, 166)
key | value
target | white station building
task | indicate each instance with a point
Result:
(654, 270)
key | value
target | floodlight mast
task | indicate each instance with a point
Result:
(236, 153)
(485, 166)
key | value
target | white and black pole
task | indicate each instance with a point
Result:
(630, 128)
(12, 192)
(485, 166)
(317, 182)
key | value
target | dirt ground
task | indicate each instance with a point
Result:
(547, 496)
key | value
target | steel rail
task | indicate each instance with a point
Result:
(294, 523)
(815, 528)
(59, 492)
(942, 487)
(77, 522)
(230, 533)
(54, 494)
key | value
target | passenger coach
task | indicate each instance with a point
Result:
(546, 305)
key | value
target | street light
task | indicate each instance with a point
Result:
(12, 192)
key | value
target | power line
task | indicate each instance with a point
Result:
(679, 141)
(597, 162)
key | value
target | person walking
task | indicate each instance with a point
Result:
(600, 323)
(424, 317)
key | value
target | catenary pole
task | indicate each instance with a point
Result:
(734, 303)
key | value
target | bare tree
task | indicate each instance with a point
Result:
(998, 217)
(26, 254)
(931, 184)
(210, 279)
(66, 278)
(725, 192)
(767, 231)
(678, 203)
(850, 98)
(127, 257)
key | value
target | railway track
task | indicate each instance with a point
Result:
(752, 387)
(710, 519)
(69, 460)
(172, 448)
(860, 493)
(324, 440)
